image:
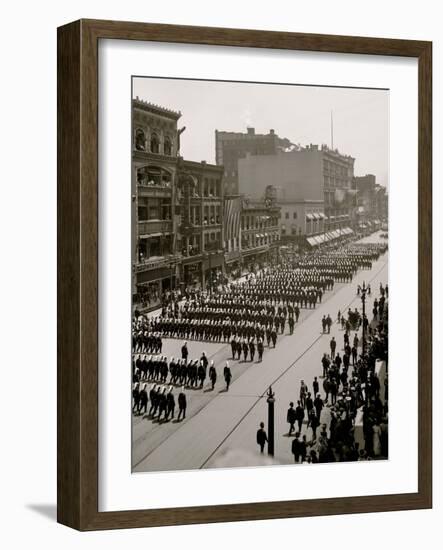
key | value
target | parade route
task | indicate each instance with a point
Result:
(220, 422)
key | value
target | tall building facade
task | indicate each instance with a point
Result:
(232, 146)
(310, 173)
(339, 197)
(372, 200)
(201, 236)
(259, 231)
(177, 210)
(155, 152)
(252, 231)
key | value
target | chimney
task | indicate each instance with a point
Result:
(251, 131)
(271, 131)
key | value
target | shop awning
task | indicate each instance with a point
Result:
(149, 235)
(312, 241)
(316, 215)
(309, 217)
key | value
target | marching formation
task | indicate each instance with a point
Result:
(250, 316)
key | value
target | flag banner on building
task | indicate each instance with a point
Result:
(232, 215)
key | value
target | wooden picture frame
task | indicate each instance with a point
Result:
(78, 273)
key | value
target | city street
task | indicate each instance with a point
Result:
(222, 424)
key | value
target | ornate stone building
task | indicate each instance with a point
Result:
(155, 150)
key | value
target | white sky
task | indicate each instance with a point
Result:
(300, 113)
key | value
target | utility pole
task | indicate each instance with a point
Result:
(270, 400)
(363, 301)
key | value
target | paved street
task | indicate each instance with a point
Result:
(222, 424)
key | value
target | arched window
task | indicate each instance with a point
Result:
(167, 148)
(155, 144)
(140, 140)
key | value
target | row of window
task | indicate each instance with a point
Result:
(192, 246)
(254, 222)
(154, 145)
(294, 215)
(154, 176)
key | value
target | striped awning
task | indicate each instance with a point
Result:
(312, 241)
(309, 216)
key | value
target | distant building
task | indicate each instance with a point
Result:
(372, 201)
(301, 218)
(252, 230)
(310, 173)
(260, 231)
(232, 146)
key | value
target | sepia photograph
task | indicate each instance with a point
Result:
(260, 292)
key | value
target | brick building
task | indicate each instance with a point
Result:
(232, 146)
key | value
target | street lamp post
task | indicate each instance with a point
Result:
(363, 291)
(270, 400)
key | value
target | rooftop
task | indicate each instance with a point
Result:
(158, 109)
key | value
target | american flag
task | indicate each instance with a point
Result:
(232, 214)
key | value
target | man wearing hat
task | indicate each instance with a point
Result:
(143, 403)
(182, 404)
(262, 437)
(227, 375)
(170, 404)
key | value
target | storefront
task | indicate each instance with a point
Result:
(151, 284)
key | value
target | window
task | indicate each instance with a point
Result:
(167, 148)
(140, 140)
(153, 213)
(294, 215)
(155, 144)
(287, 215)
(142, 213)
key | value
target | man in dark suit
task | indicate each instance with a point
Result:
(291, 417)
(182, 404)
(170, 404)
(185, 351)
(143, 403)
(262, 438)
(251, 349)
(296, 448)
(260, 349)
(299, 415)
(333, 345)
(227, 375)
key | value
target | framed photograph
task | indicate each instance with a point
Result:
(244, 261)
